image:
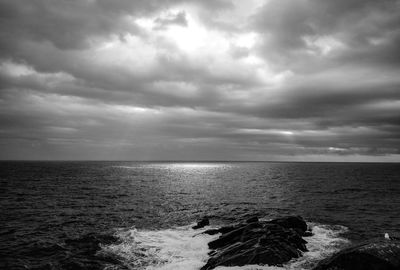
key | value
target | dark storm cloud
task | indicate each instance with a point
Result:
(324, 101)
(73, 24)
(312, 79)
(367, 31)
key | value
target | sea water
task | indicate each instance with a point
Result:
(138, 215)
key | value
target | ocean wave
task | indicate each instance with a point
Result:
(183, 248)
(326, 240)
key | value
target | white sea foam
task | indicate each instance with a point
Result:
(326, 240)
(185, 249)
(174, 249)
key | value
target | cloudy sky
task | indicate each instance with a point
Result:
(303, 80)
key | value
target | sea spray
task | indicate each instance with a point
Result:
(325, 241)
(180, 248)
(183, 248)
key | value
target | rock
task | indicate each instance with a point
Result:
(252, 219)
(377, 254)
(308, 233)
(257, 242)
(231, 237)
(222, 229)
(294, 222)
(202, 223)
(212, 231)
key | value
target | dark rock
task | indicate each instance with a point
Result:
(202, 223)
(228, 229)
(252, 219)
(308, 233)
(222, 229)
(379, 254)
(211, 231)
(232, 236)
(294, 222)
(257, 242)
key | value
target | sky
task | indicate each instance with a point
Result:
(282, 80)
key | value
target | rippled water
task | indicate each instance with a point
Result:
(61, 215)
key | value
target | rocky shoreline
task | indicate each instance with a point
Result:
(374, 254)
(278, 241)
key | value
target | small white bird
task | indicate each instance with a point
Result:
(387, 236)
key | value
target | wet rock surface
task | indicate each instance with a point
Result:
(257, 242)
(376, 254)
(202, 223)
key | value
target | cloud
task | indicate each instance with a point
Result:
(274, 80)
(356, 32)
(171, 19)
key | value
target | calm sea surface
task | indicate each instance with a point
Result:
(54, 214)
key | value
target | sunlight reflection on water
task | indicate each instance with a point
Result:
(195, 165)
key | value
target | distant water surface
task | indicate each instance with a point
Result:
(52, 212)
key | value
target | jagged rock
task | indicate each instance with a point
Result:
(377, 254)
(211, 231)
(294, 222)
(307, 234)
(232, 236)
(252, 219)
(257, 242)
(202, 223)
(222, 230)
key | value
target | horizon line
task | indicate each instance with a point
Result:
(189, 161)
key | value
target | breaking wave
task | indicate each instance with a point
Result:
(183, 248)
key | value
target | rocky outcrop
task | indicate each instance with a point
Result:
(257, 242)
(377, 254)
(202, 223)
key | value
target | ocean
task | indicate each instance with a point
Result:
(138, 215)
